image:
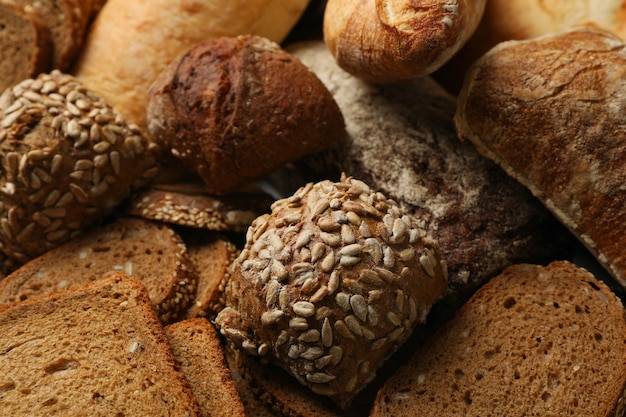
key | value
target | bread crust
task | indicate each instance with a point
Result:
(385, 41)
(555, 124)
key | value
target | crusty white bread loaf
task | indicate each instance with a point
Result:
(549, 111)
(130, 42)
(25, 45)
(198, 352)
(386, 41)
(401, 140)
(533, 341)
(150, 251)
(97, 350)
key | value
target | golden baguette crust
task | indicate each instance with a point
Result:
(550, 112)
(533, 341)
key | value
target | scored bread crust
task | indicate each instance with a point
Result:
(386, 41)
(535, 340)
(549, 111)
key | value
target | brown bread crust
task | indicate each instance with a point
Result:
(549, 112)
(235, 109)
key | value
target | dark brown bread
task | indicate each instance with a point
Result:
(235, 109)
(97, 350)
(149, 251)
(401, 141)
(198, 352)
(533, 341)
(548, 110)
(25, 45)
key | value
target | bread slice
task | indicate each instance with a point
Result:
(97, 350)
(25, 45)
(211, 255)
(147, 250)
(199, 355)
(533, 341)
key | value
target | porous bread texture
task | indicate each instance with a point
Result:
(97, 350)
(558, 98)
(150, 251)
(330, 284)
(198, 352)
(234, 109)
(533, 341)
(68, 159)
(25, 45)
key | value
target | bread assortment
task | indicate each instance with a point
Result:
(236, 109)
(384, 41)
(202, 215)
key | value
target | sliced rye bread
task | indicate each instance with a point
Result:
(533, 341)
(211, 254)
(96, 350)
(150, 251)
(198, 352)
(25, 45)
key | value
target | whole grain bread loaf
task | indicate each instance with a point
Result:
(150, 251)
(198, 352)
(96, 350)
(549, 111)
(533, 341)
(401, 141)
(25, 45)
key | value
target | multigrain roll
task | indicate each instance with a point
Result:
(67, 159)
(330, 284)
(235, 109)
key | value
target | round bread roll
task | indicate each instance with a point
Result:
(330, 284)
(131, 42)
(66, 159)
(386, 41)
(235, 109)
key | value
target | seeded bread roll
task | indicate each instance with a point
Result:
(25, 45)
(67, 160)
(330, 284)
(131, 42)
(563, 106)
(391, 40)
(533, 341)
(149, 251)
(236, 109)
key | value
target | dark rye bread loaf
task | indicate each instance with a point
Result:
(97, 350)
(198, 352)
(25, 45)
(533, 341)
(401, 141)
(147, 250)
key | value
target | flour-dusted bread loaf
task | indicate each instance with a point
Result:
(533, 341)
(131, 42)
(149, 251)
(390, 40)
(199, 355)
(330, 284)
(97, 350)
(549, 111)
(67, 159)
(401, 140)
(235, 109)
(25, 45)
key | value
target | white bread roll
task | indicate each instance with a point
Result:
(130, 42)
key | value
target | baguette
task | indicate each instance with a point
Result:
(557, 98)
(533, 341)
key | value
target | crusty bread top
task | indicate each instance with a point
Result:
(533, 341)
(98, 350)
(198, 352)
(147, 250)
(549, 111)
